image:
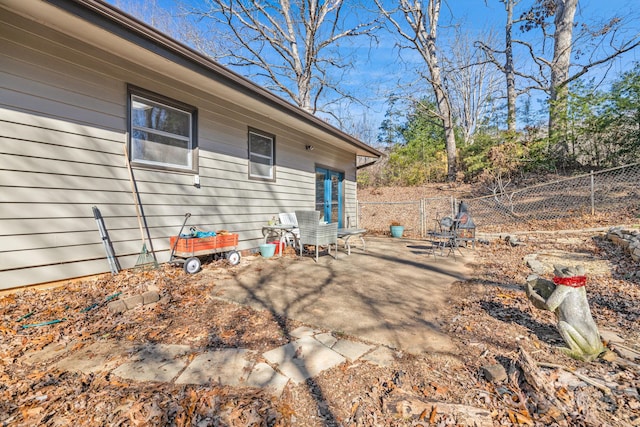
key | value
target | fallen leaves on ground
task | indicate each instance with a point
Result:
(489, 318)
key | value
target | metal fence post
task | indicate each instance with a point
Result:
(593, 195)
(422, 217)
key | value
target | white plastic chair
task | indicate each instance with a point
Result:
(289, 218)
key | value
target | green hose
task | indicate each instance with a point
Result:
(50, 322)
(53, 322)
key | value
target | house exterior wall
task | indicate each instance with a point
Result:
(63, 131)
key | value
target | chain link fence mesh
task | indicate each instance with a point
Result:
(378, 216)
(609, 197)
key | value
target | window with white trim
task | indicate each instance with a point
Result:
(162, 132)
(261, 155)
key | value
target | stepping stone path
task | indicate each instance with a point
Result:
(310, 354)
(303, 358)
(158, 362)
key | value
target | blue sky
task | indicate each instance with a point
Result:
(382, 69)
(377, 71)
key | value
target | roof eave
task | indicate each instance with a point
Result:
(129, 23)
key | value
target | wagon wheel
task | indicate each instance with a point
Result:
(192, 265)
(233, 257)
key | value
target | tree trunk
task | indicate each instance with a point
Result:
(444, 109)
(303, 83)
(423, 23)
(443, 102)
(509, 70)
(562, 43)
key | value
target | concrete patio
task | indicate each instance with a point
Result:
(365, 306)
(389, 295)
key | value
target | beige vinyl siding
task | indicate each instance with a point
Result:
(62, 136)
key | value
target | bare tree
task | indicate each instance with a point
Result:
(175, 23)
(553, 73)
(292, 45)
(471, 81)
(605, 42)
(417, 28)
(506, 66)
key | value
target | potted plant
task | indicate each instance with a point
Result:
(396, 229)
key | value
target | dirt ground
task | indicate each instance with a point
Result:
(489, 319)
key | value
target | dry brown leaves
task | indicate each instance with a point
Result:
(493, 318)
(489, 317)
(40, 395)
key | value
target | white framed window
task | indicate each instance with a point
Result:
(162, 132)
(261, 155)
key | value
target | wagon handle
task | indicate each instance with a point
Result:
(175, 244)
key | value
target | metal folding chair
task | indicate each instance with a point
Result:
(445, 236)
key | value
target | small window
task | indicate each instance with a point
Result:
(261, 155)
(162, 132)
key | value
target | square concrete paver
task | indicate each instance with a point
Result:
(227, 367)
(327, 339)
(96, 357)
(303, 331)
(159, 362)
(264, 376)
(48, 352)
(350, 349)
(381, 356)
(303, 358)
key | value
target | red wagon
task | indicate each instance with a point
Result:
(188, 250)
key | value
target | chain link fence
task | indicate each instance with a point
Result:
(606, 198)
(417, 216)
